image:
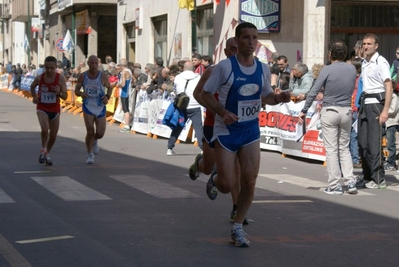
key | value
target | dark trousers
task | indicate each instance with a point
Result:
(194, 114)
(369, 137)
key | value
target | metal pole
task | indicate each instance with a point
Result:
(29, 30)
(2, 31)
(73, 36)
(173, 42)
(194, 28)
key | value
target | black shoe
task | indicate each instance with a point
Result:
(360, 182)
(42, 158)
(49, 162)
(233, 215)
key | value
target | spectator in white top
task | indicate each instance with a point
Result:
(186, 82)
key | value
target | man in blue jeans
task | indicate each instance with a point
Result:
(353, 144)
(391, 125)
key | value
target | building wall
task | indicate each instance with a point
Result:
(7, 41)
(289, 41)
(19, 52)
(56, 32)
(179, 22)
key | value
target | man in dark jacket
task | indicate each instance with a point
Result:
(66, 64)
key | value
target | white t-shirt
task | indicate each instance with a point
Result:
(374, 74)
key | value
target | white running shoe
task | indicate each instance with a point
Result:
(170, 152)
(239, 239)
(90, 158)
(96, 147)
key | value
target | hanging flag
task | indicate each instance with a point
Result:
(189, 4)
(26, 44)
(68, 44)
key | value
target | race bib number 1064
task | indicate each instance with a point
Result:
(248, 110)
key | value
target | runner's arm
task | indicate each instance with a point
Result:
(79, 85)
(62, 83)
(211, 103)
(274, 99)
(199, 88)
(33, 89)
(107, 85)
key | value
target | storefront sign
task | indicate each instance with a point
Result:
(265, 14)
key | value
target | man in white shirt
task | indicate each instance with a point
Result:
(186, 82)
(373, 113)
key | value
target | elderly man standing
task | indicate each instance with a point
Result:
(301, 80)
(186, 82)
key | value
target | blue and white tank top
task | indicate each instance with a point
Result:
(95, 91)
(244, 97)
(125, 89)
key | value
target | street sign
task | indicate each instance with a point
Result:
(59, 43)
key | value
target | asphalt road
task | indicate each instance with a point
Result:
(137, 207)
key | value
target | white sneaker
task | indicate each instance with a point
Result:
(170, 152)
(90, 159)
(96, 148)
(124, 130)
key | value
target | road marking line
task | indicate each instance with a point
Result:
(305, 182)
(11, 254)
(153, 186)
(46, 239)
(69, 189)
(31, 172)
(4, 198)
(282, 201)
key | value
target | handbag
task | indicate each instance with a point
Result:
(182, 100)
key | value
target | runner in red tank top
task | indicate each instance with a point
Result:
(52, 87)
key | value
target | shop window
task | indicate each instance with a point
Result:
(130, 31)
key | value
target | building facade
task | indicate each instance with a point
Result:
(140, 30)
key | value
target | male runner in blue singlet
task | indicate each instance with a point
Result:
(243, 84)
(95, 99)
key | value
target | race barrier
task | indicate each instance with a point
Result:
(149, 111)
(278, 124)
(281, 132)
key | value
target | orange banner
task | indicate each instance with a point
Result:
(83, 22)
